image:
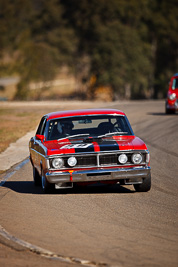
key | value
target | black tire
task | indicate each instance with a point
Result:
(169, 111)
(145, 186)
(36, 177)
(46, 186)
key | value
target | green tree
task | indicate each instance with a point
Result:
(114, 36)
(36, 39)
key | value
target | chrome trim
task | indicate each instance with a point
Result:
(97, 166)
(98, 153)
(101, 175)
(98, 159)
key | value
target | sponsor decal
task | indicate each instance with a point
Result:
(76, 146)
(105, 145)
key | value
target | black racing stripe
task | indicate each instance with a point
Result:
(88, 149)
(108, 145)
(83, 147)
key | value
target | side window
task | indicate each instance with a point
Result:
(41, 126)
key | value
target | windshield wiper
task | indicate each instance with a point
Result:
(75, 135)
(114, 133)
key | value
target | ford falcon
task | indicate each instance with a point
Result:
(82, 147)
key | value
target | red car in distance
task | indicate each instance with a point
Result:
(82, 147)
(172, 95)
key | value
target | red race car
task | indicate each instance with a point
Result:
(172, 95)
(81, 147)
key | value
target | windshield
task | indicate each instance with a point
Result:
(175, 84)
(88, 126)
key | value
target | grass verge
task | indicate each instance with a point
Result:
(16, 119)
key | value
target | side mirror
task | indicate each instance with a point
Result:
(40, 137)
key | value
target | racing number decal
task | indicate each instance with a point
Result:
(75, 146)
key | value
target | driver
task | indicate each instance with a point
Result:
(65, 128)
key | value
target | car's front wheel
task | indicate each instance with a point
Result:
(169, 111)
(145, 186)
(36, 177)
(46, 186)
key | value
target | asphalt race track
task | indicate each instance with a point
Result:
(106, 226)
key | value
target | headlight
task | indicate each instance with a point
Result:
(122, 158)
(57, 163)
(172, 96)
(137, 158)
(72, 161)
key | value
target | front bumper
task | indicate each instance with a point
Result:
(132, 175)
(172, 105)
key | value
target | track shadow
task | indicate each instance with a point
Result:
(98, 189)
(23, 187)
(161, 114)
(27, 187)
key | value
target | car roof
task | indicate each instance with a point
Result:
(83, 112)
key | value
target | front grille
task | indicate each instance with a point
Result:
(108, 159)
(97, 160)
(87, 161)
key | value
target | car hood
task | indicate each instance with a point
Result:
(114, 143)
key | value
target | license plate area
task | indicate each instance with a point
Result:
(104, 175)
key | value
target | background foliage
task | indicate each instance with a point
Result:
(128, 46)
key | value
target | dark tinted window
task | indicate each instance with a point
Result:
(93, 126)
(41, 126)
